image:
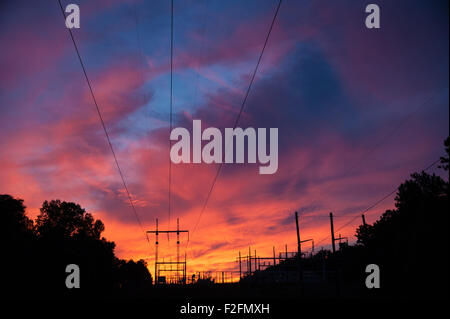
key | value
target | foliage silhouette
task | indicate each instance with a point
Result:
(37, 253)
(445, 159)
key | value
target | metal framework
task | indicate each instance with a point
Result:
(312, 242)
(176, 269)
(340, 238)
(256, 263)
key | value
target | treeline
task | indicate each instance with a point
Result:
(35, 253)
(410, 242)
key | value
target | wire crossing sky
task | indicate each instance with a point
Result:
(357, 110)
(238, 117)
(104, 127)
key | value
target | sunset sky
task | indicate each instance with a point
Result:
(357, 111)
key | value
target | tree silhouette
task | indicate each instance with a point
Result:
(15, 223)
(445, 159)
(63, 219)
(16, 244)
(133, 275)
(408, 241)
(36, 254)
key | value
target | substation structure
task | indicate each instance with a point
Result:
(169, 272)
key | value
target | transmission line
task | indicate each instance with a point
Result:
(103, 125)
(395, 129)
(376, 203)
(171, 102)
(239, 116)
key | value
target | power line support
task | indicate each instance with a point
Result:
(332, 233)
(299, 250)
(299, 245)
(156, 252)
(249, 261)
(180, 266)
(274, 260)
(240, 267)
(178, 247)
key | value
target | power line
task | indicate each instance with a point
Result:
(103, 124)
(388, 195)
(138, 38)
(348, 223)
(392, 132)
(202, 45)
(376, 203)
(171, 100)
(239, 115)
(142, 62)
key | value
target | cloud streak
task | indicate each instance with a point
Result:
(334, 91)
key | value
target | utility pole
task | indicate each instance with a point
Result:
(178, 248)
(299, 251)
(274, 260)
(299, 245)
(363, 219)
(156, 251)
(249, 260)
(240, 267)
(332, 233)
